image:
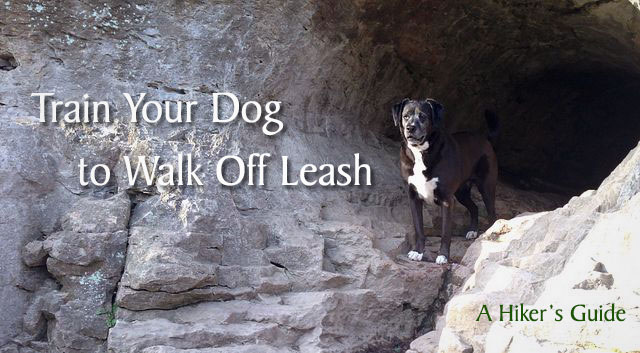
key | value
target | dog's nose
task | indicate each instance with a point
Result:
(411, 128)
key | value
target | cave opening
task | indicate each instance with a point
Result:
(573, 127)
(562, 77)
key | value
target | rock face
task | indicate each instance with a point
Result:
(271, 268)
(581, 253)
(315, 287)
(86, 259)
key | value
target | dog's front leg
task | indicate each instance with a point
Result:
(445, 239)
(418, 253)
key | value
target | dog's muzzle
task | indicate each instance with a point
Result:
(415, 141)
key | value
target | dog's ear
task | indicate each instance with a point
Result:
(396, 111)
(438, 111)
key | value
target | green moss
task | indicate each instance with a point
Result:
(110, 315)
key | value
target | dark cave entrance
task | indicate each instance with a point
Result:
(563, 79)
(573, 126)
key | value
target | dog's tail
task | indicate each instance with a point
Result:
(494, 125)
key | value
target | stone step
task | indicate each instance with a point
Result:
(248, 348)
(140, 335)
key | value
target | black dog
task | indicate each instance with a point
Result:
(438, 165)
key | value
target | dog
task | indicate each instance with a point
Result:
(438, 166)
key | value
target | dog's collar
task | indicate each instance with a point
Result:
(423, 146)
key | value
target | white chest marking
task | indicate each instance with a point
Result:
(424, 187)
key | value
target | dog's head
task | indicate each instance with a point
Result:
(417, 120)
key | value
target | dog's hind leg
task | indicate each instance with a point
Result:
(487, 171)
(488, 191)
(463, 195)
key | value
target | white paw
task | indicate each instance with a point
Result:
(472, 234)
(441, 260)
(415, 256)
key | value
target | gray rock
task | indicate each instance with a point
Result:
(34, 254)
(98, 216)
(84, 249)
(247, 348)
(171, 262)
(10, 348)
(145, 300)
(596, 280)
(88, 265)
